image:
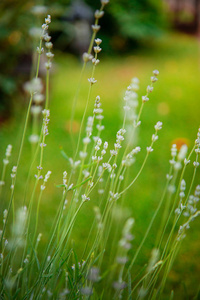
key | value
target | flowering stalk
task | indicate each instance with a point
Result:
(158, 126)
(176, 166)
(87, 57)
(31, 90)
(92, 81)
(5, 163)
(171, 247)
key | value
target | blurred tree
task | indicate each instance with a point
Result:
(17, 41)
(125, 22)
(128, 21)
(185, 15)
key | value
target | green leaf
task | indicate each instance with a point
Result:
(83, 182)
(89, 165)
(172, 295)
(64, 154)
(76, 186)
(16, 293)
(60, 185)
(36, 258)
(129, 286)
(77, 269)
(197, 297)
(47, 275)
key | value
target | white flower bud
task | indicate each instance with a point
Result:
(97, 49)
(87, 57)
(98, 41)
(145, 99)
(92, 80)
(158, 126)
(149, 89)
(155, 72)
(154, 79)
(149, 149)
(183, 152)
(96, 28)
(49, 45)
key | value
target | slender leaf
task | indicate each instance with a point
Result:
(64, 154)
(172, 295)
(129, 286)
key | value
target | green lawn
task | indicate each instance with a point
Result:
(174, 101)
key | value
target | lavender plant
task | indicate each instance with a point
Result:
(96, 168)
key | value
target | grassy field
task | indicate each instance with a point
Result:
(174, 101)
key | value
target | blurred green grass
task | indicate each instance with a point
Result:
(174, 101)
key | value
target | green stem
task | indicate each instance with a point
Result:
(136, 177)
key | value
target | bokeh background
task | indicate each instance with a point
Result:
(138, 37)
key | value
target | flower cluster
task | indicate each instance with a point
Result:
(181, 156)
(182, 189)
(119, 139)
(47, 22)
(131, 103)
(97, 148)
(182, 229)
(181, 207)
(189, 209)
(19, 228)
(107, 166)
(87, 57)
(66, 186)
(65, 178)
(7, 155)
(98, 15)
(5, 214)
(85, 198)
(154, 260)
(98, 217)
(150, 87)
(13, 176)
(94, 59)
(74, 164)
(93, 274)
(35, 88)
(46, 114)
(130, 159)
(38, 97)
(123, 248)
(87, 140)
(48, 44)
(154, 137)
(42, 187)
(192, 202)
(197, 149)
(114, 196)
(89, 126)
(98, 113)
(173, 154)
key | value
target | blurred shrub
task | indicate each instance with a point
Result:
(132, 21)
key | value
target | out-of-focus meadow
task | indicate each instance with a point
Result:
(174, 101)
